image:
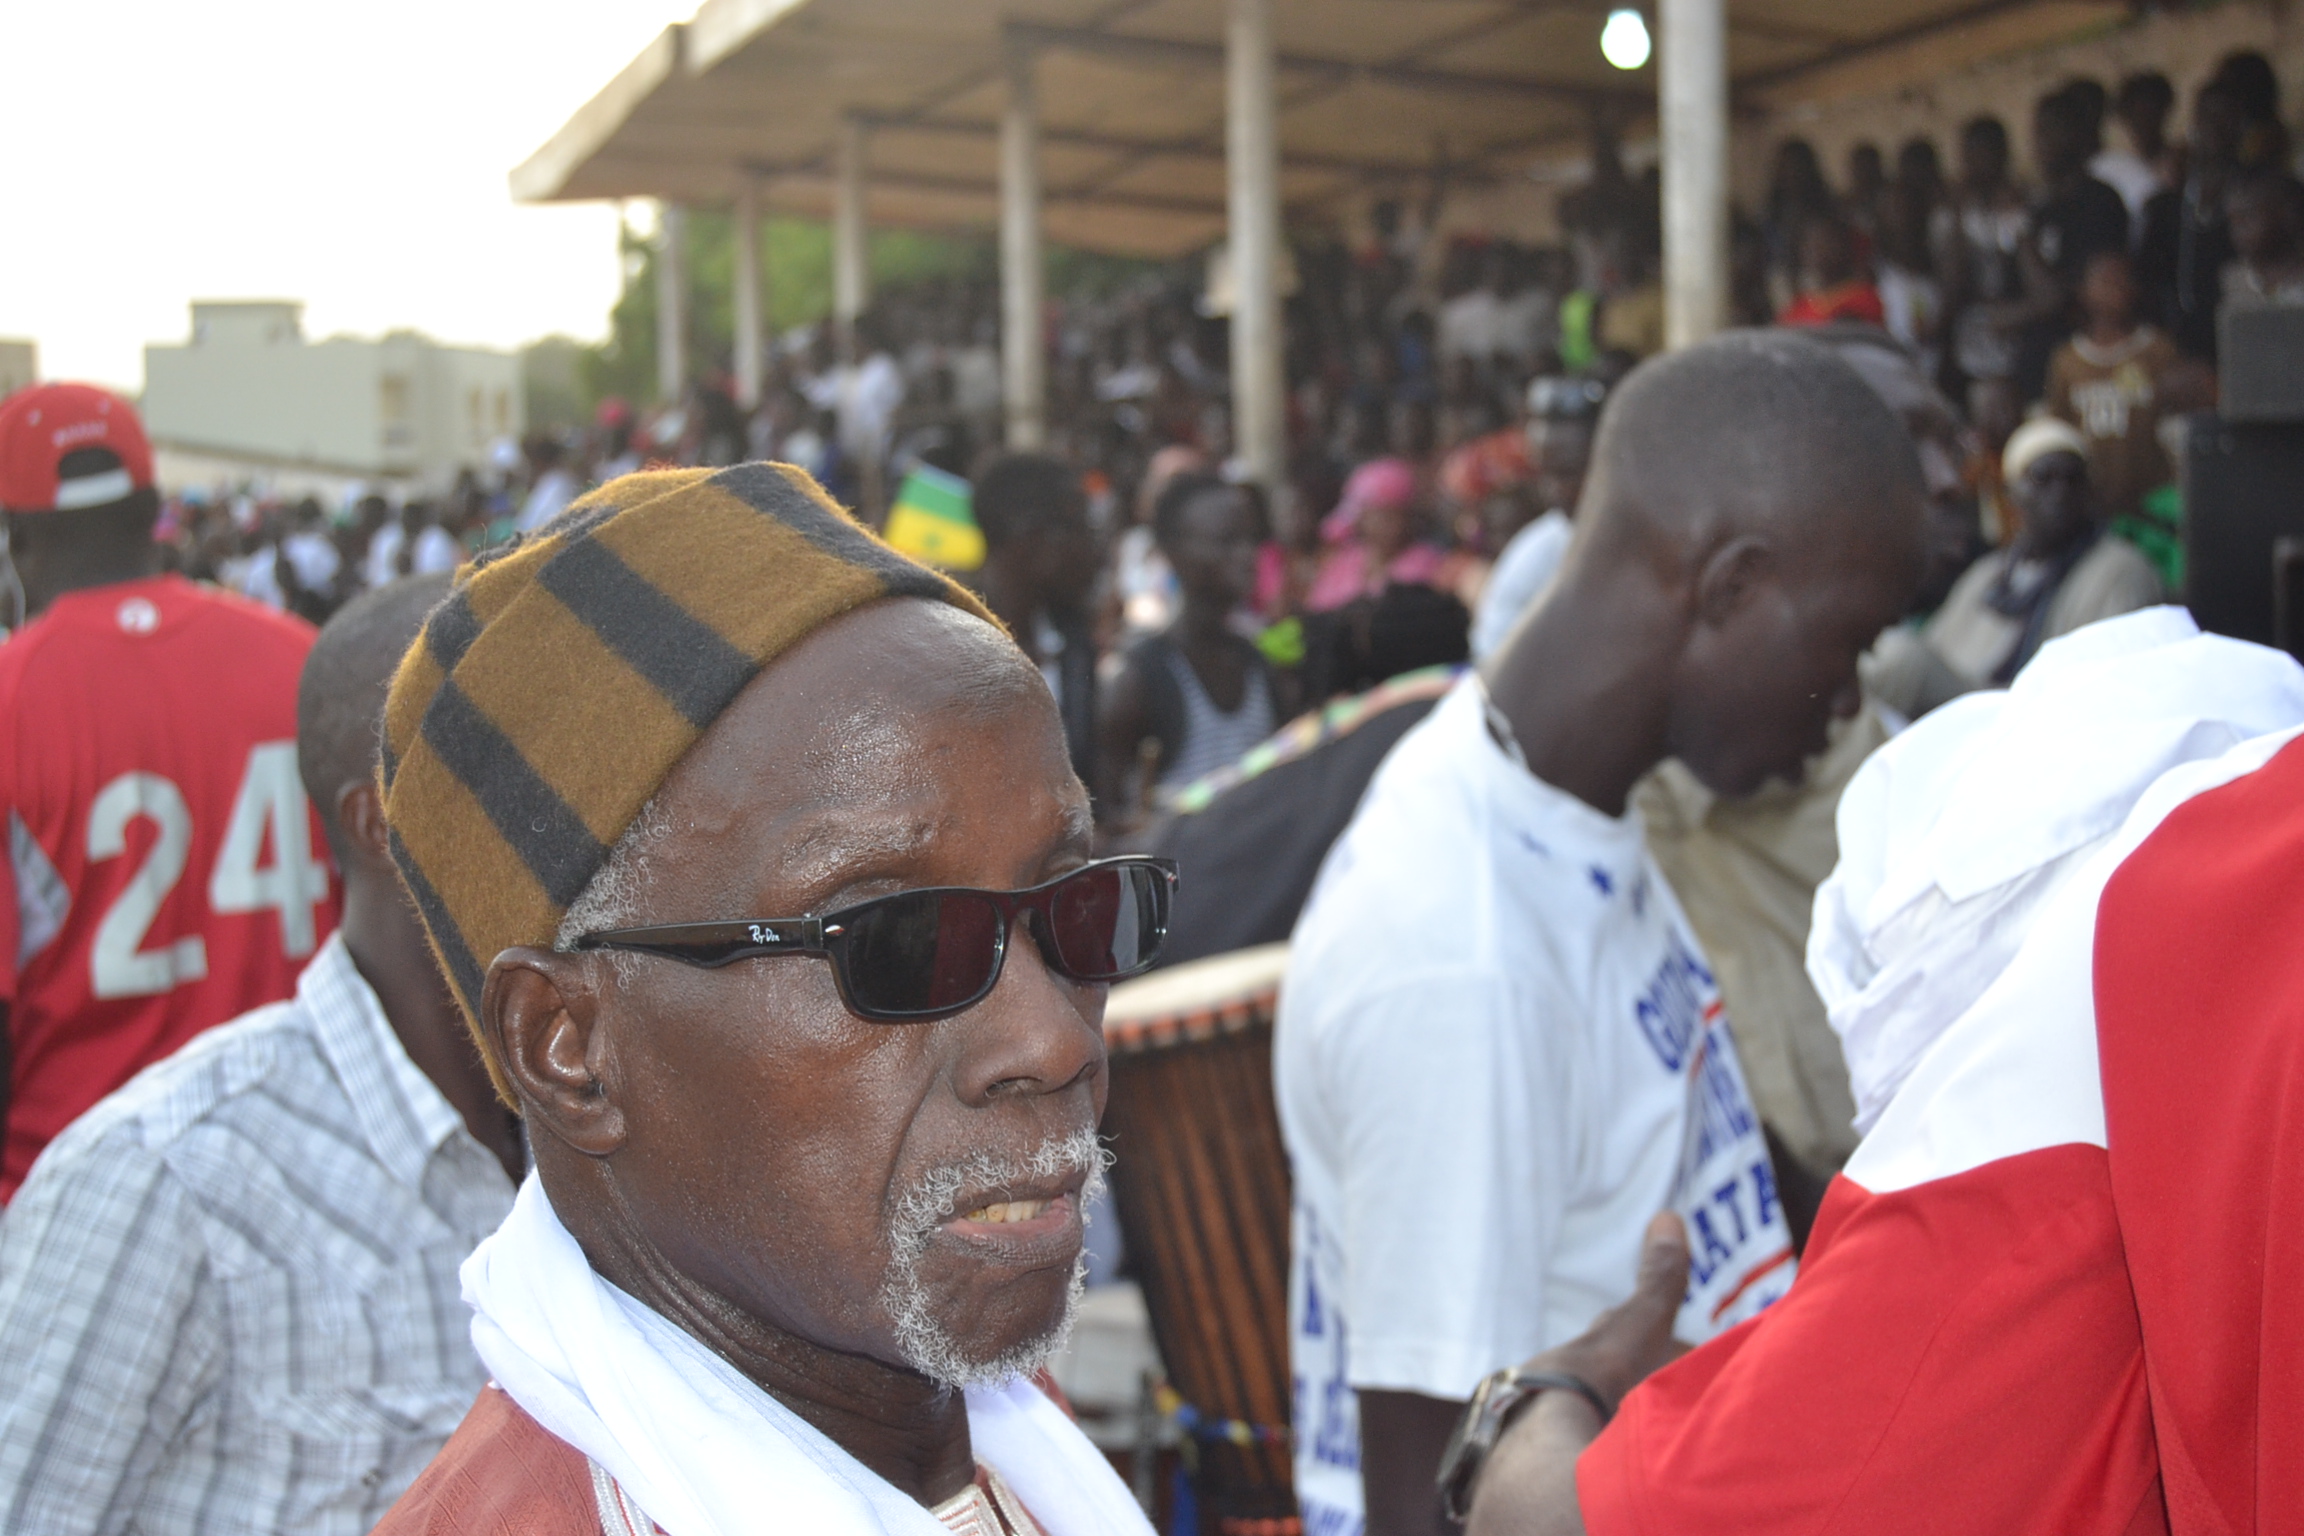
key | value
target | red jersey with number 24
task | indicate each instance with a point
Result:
(166, 871)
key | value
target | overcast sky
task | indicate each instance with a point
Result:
(352, 156)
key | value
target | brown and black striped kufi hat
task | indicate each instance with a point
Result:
(557, 684)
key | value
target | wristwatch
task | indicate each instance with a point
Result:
(1493, 1404)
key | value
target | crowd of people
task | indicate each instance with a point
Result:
(1764, 869)
(1440, 392)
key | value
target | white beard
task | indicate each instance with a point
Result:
(927, 1344)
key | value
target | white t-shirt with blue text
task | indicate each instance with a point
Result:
(1500, 1052)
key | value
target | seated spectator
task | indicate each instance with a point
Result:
(805, 1209)
(1142, 580)
(1797, 193)
(2187, 243)
(1867, 184)
(1990, 268)
(1911, 300)
(2061, 571)
(1040, 565)
(2255, 87)
(228, 1292)
(1196, 696)
(1562, 415)
(1467, 329)
(412, 544)
(2143, 170)
(1632, 316)
(1833, 282)
(553, 486)
(1527, 324)
(2106, 382)
(2074, 217)
(1372, 538)
(2265, 212)
(1495, 458)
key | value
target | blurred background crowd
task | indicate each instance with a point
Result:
(1441, 396)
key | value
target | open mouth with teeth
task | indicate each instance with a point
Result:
(1036, 1222)
(1003, 1211)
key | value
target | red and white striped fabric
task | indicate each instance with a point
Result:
(2049, 1292)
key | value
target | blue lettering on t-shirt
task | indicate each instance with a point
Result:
(1725, 1198)
(1336, 1441)
(1711, 1252)
(1670, 1010)
(1764, 1182)
(1723, 1115)
(1326, 1409)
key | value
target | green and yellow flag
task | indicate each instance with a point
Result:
(933, 521)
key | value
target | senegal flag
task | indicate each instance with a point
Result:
(933, 523)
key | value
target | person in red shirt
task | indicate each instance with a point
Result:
(2054, 1290)
(164, 871)
(1834, 282)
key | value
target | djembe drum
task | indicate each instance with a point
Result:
(1201, 1185)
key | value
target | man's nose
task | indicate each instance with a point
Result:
(1030, 1035)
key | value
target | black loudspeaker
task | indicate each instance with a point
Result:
(2244, 529)
(2260, 362)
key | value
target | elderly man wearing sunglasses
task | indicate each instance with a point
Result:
(756, 860)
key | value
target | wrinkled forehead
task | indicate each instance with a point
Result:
(902, 725)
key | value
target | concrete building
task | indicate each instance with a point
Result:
(248, 391)
(19, 366)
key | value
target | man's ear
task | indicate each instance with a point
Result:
(1730, 576)
(541, 1018)
(360, 816)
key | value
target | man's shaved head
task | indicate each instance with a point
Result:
(340, 699)
(1754, 430)
(1751, 523)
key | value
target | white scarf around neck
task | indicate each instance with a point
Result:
(1956, 834)
(701, 1449)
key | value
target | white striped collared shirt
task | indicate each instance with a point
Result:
(228, 1293)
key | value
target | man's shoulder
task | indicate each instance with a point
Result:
(2111, 579)
(212, 1072)
(245, 620)
(1413, 841)
(1428, 776)
(500, 1474)
(191, 616)
(1968, 591)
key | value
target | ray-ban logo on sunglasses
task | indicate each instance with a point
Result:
(762, 934)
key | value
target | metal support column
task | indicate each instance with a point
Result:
(1692, 106)
(751, 352)
(1023, 359)
(851, 261)
(671, 302)
(1252, 157)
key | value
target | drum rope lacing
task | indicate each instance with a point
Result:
(1202, 1427)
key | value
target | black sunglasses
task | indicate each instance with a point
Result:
(925, 954)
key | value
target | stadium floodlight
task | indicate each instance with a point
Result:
(1624, 40)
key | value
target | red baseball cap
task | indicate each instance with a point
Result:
(42, 426)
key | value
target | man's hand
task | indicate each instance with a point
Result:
(1627, 1342)
(1528, 1487)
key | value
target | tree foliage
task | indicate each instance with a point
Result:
(796, 263)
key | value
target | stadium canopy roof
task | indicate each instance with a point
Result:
(1131, 97)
